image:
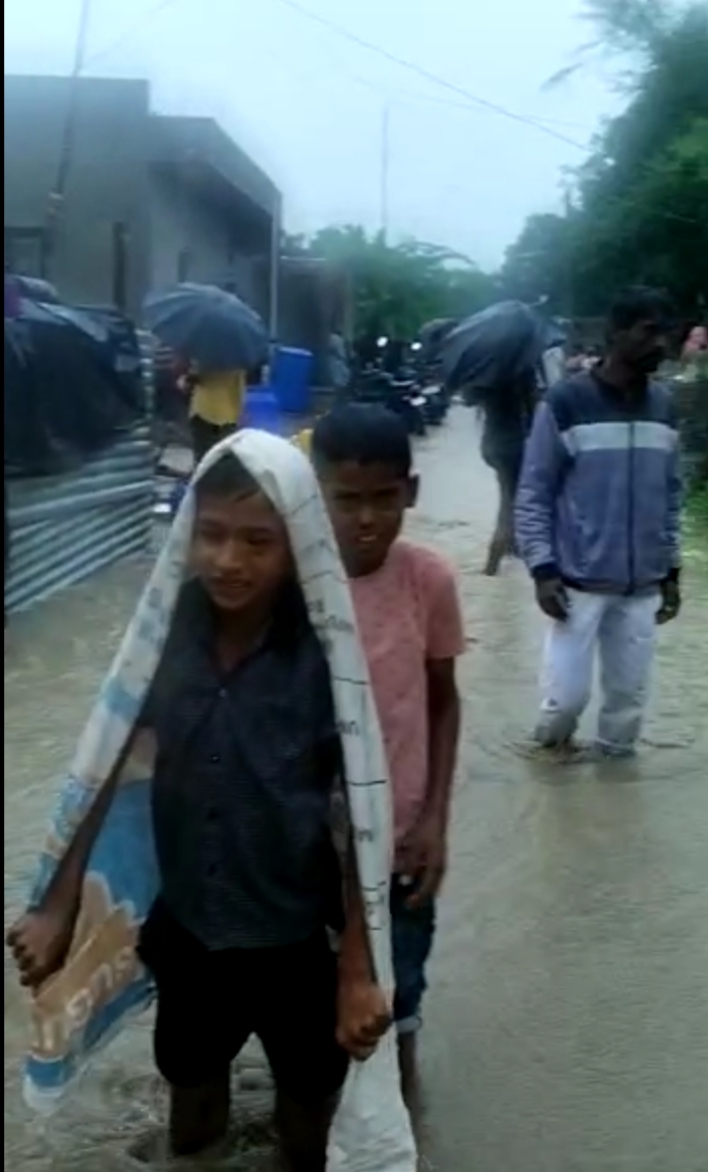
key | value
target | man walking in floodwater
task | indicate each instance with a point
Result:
(598, 525)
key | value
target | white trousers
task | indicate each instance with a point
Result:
(623, 629)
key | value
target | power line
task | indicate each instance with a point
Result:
(471, 100)
(451, 104)
(427, 74)
(128, 35)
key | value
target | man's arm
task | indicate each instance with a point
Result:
(670, 587)
(544, 462)
(675, 491)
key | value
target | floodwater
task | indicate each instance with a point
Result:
(567, 1021)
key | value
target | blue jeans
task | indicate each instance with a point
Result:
(412, 933)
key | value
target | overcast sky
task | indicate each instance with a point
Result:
(308, 104)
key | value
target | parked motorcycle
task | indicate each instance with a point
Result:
(428, 379)
(401, 395)
(437, 400)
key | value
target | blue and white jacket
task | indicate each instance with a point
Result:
(599, 500)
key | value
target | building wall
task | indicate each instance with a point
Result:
(167, 212)
(314, 303)
(193, 238)
(106, 182)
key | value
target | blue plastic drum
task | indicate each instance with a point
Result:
(262, 410)
(290, 379)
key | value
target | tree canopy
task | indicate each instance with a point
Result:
(640, 206)
(397, 288)
(637, 208)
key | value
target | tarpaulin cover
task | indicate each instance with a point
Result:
(494, 348)
(72, 382)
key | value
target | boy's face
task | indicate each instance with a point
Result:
(366, 503)
(240, 551)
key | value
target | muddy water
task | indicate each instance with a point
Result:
(567, 1023)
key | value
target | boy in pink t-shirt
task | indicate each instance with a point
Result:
(409, 616)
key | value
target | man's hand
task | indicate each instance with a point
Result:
(670, 602)
(363, 1016)
(552, 597)
(423, 857)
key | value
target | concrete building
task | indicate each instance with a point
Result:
(148, 200)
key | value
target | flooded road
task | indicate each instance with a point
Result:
(567, 1023)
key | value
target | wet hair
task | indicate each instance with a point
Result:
(362, 433)
(636, 304)
(228, 477)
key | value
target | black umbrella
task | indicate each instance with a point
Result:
(493, 348)
(36, 290)
(213, 328)
(432, 335)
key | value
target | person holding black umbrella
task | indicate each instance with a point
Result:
(223, 338)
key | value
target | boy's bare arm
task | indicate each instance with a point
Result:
(41, 938)
(362, 1013)
(424, 852)
(444, 734)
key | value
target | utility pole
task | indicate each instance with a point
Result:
(385, 159)
(274, 282)
(58, 192)
(568, 259)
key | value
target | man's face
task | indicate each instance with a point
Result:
(366, 503)
(240, 551)
(643, 347)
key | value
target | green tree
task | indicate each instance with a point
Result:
(640, 199)
(536, 264)
(398, 287)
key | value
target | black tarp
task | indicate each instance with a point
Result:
(72, 383)
(493, 349)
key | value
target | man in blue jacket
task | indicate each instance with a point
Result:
(598, 526)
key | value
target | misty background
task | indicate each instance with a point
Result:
(293, 85)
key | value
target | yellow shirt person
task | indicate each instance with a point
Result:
(303, 440)
(216, 407)
(218, 398)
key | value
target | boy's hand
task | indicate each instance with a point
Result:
(423, 857)
(363, 1016)
(39, 942)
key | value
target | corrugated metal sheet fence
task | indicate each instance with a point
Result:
(64, 528)
(146, 342)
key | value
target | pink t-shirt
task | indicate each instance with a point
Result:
(408, 613)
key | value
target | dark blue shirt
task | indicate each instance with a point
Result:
(246, 769)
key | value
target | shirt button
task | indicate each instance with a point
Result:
(211, 870)
(215, 758)
(212, 813)
(223, 694)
